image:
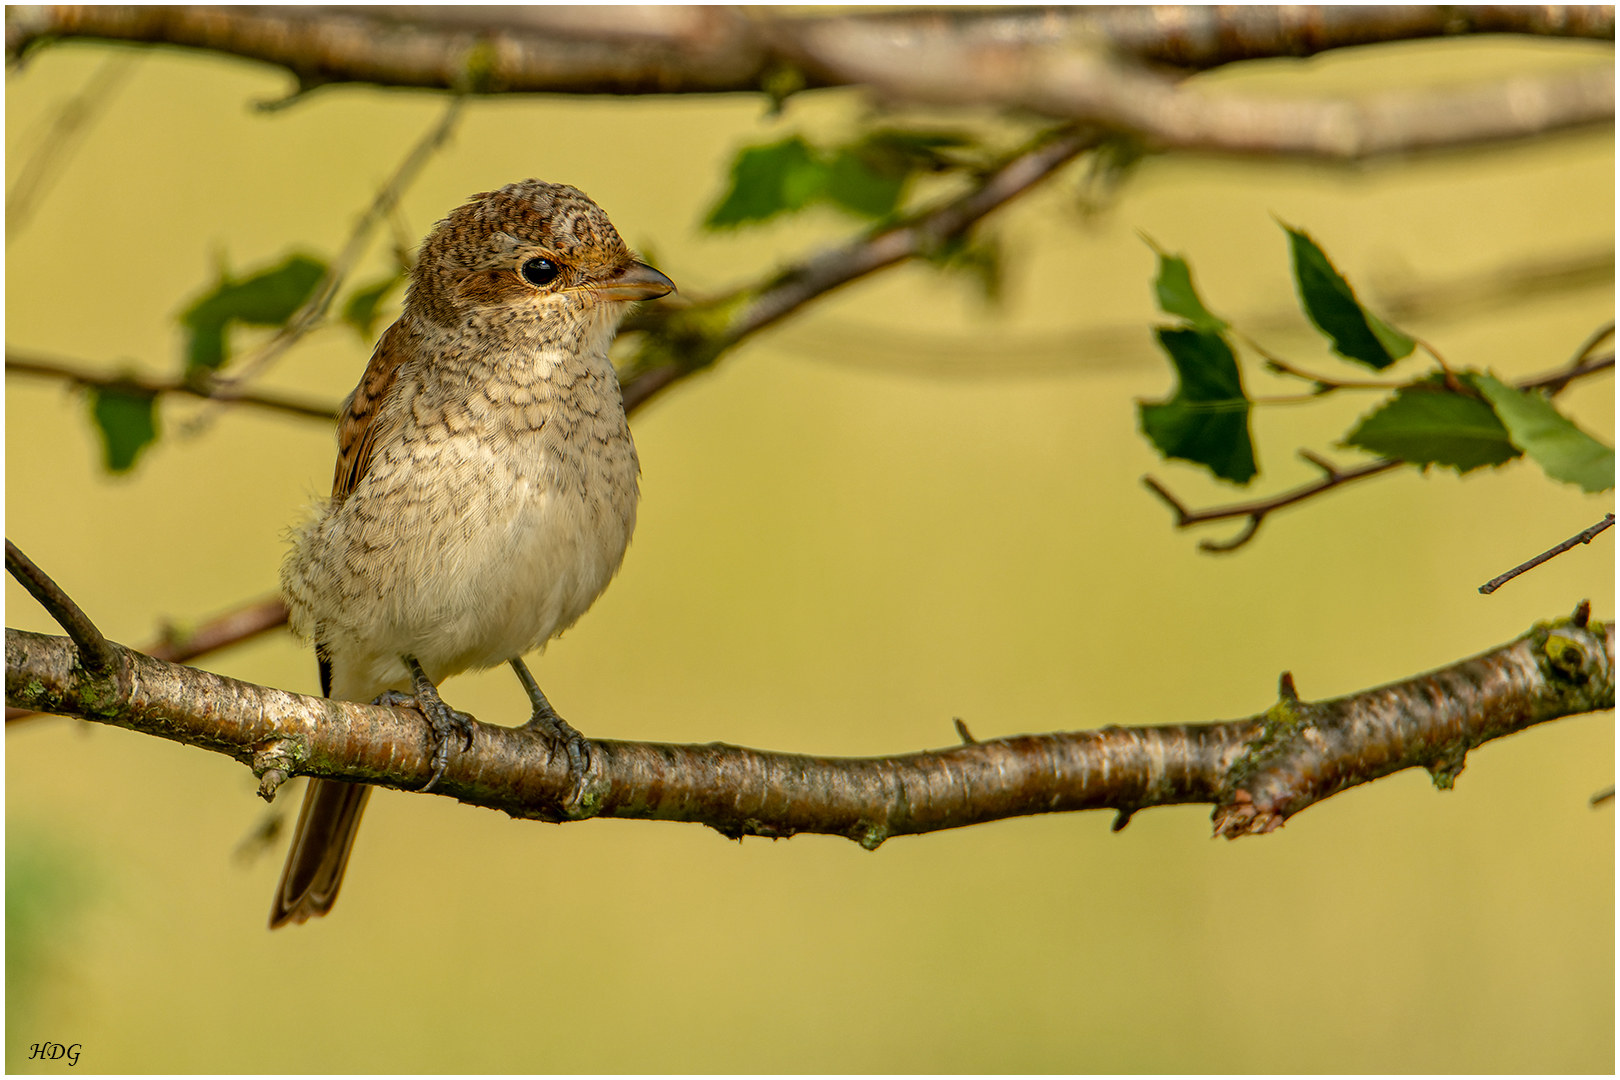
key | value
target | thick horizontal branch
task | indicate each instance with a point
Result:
(706, 50)
(935, 67)
(78, 375)
(1257, 772)
(182, 643)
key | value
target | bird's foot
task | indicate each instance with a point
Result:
(562, 735)
(450, 726)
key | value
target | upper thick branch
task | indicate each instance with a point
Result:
(937, 67)
(683, 50)
(1258, 772)
(1082, 64)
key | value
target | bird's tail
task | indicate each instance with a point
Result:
(327, 824)
(320, 851)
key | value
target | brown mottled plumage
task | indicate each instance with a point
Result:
(486, 482)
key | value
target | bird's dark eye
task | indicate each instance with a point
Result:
(540, 271)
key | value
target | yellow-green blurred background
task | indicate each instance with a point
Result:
(844, 542)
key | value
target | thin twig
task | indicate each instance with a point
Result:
(38, 367)
(96, 654)
(1583, 537)
(320, 301)
(1554, 383)
(1325, 383)
(1257, 510)
(68, 128)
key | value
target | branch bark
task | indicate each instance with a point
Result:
(706, 50)
(1258, 772)
(1080, 65)
(937, 67)
(39, 367)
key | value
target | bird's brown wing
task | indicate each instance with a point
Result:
(331, 814)
(357, 428)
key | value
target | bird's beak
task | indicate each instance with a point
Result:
(639, 282)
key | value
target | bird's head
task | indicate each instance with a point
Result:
(528, 252)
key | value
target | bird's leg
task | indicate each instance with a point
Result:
(553, 727)
(444, 720)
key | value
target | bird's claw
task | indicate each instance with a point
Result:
(446, 723)
(560, 733)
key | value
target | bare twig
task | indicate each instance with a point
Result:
(1257, 772)
(1582, 363)
(38, 367)
(61, 139)
(382, 205)
(1583, 537)
(1257, 510)
(1325, 383)
(95, 653)
(716, 49)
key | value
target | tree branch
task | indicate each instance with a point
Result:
(38, 367)
(936, 67)
(1583, 537)
(683, 340)
(93, 652)
(179, 644)
(1257, 772)
(707, 50)
(1258, 509)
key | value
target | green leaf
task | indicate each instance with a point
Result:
(1552, 440)
(361, 311)
(268, 298)
(867, 183)
(1428, 423)
(1177, 296)
(127, 421)
(768, 180)
(1327, 298)
(1207, 421)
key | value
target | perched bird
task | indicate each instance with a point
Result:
(485, 489)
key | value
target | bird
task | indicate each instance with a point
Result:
(485, 489)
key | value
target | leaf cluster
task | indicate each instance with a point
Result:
(870, 177)
(1461, 420)
(125, 416)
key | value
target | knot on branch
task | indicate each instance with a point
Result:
(274, 760)
(1573, 654)
(1446, 766)
(1261, 780)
